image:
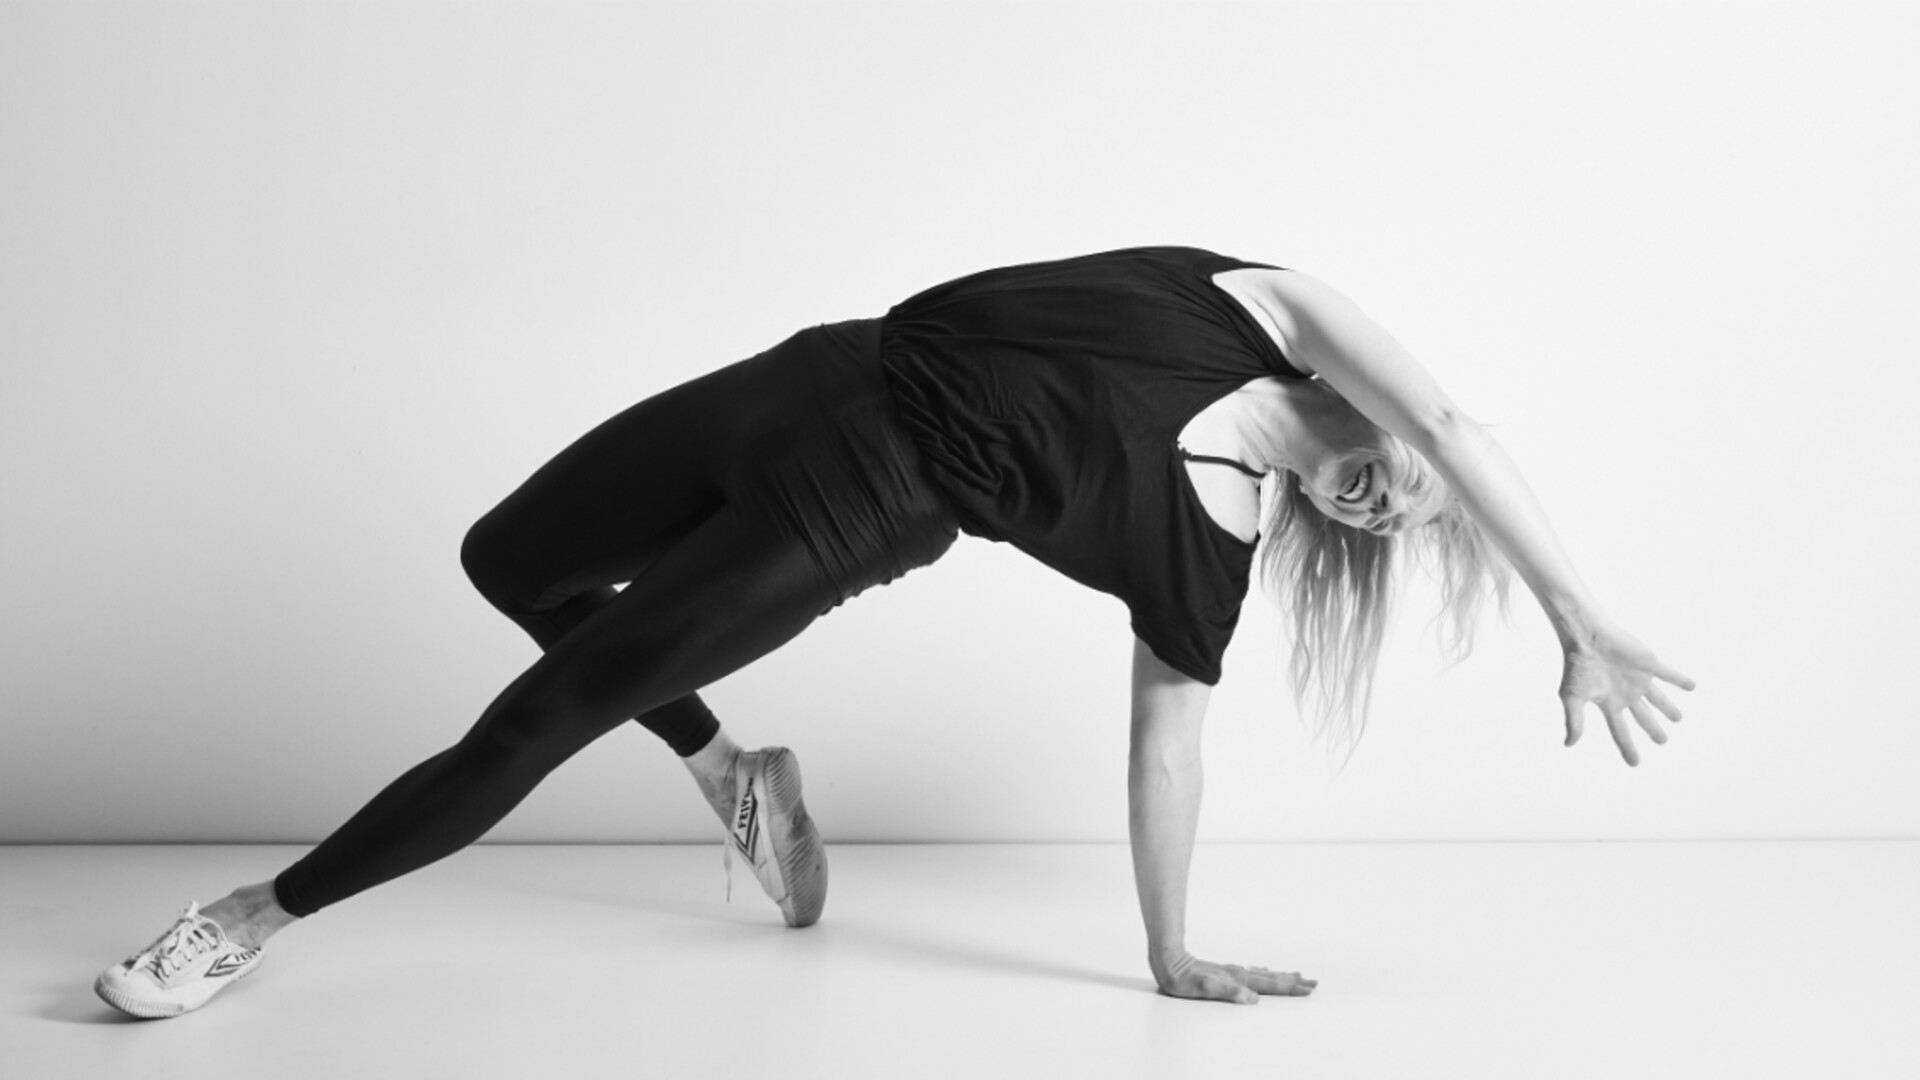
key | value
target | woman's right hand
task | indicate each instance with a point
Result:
(1191, 977)
(1611, 670)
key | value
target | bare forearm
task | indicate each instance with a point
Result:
(1163, 798)
(1488, 483)
(1163, 810)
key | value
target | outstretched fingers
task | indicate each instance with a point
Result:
(1615, 673)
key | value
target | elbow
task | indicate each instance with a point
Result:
(1440, 427)
(1156, 790)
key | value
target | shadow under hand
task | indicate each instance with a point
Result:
(981, 957)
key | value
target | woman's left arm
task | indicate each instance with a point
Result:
(1163, 810)
(1324, 332)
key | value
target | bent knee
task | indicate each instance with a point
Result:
(486, 556)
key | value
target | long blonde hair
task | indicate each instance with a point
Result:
(1337, 583)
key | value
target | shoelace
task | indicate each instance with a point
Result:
(726, 841)
(179, 946)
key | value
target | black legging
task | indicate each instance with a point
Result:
(740, 506)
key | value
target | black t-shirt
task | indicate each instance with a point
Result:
(1048, 399)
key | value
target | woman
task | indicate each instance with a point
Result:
(1111, 415)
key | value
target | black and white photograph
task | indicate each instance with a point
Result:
(957, 538)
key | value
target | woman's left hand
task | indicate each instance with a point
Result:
(1611, 669)
(1190, 977)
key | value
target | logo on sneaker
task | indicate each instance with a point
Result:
(231, 963)
(746, 823)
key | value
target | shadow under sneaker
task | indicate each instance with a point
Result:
(772, 831)
(179, 972)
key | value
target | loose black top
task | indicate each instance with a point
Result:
(1048, 400)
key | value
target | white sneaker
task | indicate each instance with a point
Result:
(772, 831)
(178, 973)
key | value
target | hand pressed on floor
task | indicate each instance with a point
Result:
(1190, 977)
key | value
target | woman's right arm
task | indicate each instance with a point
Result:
(1603, 664)
(1326, 334)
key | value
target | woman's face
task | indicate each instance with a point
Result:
(1367, 479)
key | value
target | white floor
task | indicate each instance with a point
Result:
(1516, 960)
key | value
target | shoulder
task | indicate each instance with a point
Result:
(1287, 304)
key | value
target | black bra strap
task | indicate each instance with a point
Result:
(1190, 456)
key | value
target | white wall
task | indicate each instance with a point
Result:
(291, 294)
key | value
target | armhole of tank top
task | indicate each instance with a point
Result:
(1183, 466)
(1220, 264)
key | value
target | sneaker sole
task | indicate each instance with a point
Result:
(158, 1010)
(796, 845)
